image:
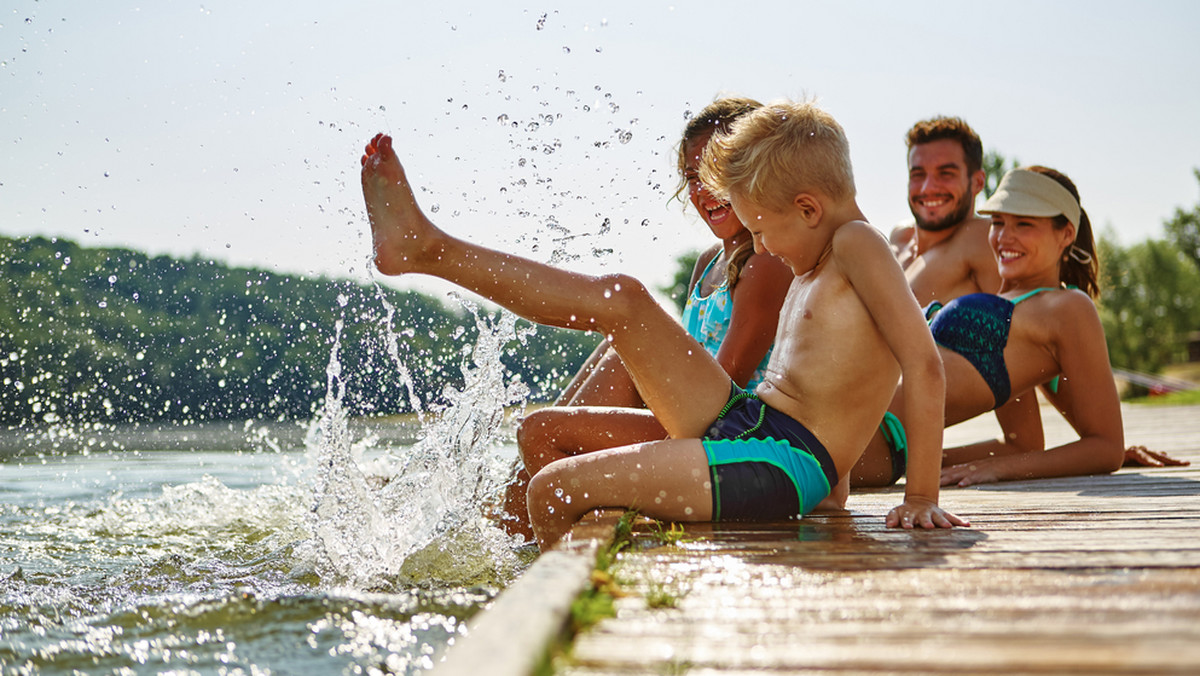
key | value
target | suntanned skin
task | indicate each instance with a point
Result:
(945, 254)
(1054, 332)
(854, 329)
(954, 259)
(601, 407)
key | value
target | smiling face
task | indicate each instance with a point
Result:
(1028, 247)
(718, 215)
(941, 191)
(778, 233)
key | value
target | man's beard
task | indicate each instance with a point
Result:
(963, 209)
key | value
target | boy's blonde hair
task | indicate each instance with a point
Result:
(778, 151)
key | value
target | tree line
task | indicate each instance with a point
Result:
(113, 335)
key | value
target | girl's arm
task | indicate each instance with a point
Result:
(1096, 416)
(757, 300)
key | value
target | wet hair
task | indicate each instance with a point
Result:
(716, 117)
(953, 128)
(1072, 271)
(777, 152)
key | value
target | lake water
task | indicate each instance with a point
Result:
(210, 561)
(327, 547)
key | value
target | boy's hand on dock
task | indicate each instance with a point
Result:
(922, 513)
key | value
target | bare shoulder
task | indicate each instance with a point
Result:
(1069, 312)
(857, 238)
(702, 262)
(902, 234)
(1073, 304)
(974, 233)
(764, 266)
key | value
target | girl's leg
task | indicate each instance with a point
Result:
(555, 433)
(667, 480)
(581, 376)
(608, 384)
(678, 380)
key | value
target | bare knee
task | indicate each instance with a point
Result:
(535, 439)
(628, 301)
(545, 496)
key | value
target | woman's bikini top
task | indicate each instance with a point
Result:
(976, 326)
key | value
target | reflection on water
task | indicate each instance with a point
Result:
(338, 547)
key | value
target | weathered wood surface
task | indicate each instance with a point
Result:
(1097, 575)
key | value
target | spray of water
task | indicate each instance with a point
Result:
(384, 517)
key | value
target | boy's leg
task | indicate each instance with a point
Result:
(558, 432)
(679, 381)
(667, 480)
(555, 433)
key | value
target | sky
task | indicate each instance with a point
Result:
(232, 130)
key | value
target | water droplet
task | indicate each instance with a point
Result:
(435, 208)
(103, 304)
(541, 23)
(566, 50)
(503, 77)
(624, 136)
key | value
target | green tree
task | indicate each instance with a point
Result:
(677, 290)
(995, 165)
(112, 335)
(1184, 229)
(1149, 303)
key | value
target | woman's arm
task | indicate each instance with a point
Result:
(1093, 409)
(1021, 432)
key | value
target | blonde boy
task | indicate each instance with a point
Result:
(849, 330)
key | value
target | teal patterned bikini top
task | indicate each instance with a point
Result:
(976, 326)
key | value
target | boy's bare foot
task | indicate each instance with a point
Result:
(402, 234)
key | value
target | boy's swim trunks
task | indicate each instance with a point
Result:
(764, 464)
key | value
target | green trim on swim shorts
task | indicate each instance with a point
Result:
(897, 440)
(727, 447)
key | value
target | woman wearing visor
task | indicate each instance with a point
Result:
(1042, 328)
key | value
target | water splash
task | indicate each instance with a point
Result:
(387, 517)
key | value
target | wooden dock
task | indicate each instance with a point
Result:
(1096, 575)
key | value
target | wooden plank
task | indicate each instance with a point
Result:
(1077, 575)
